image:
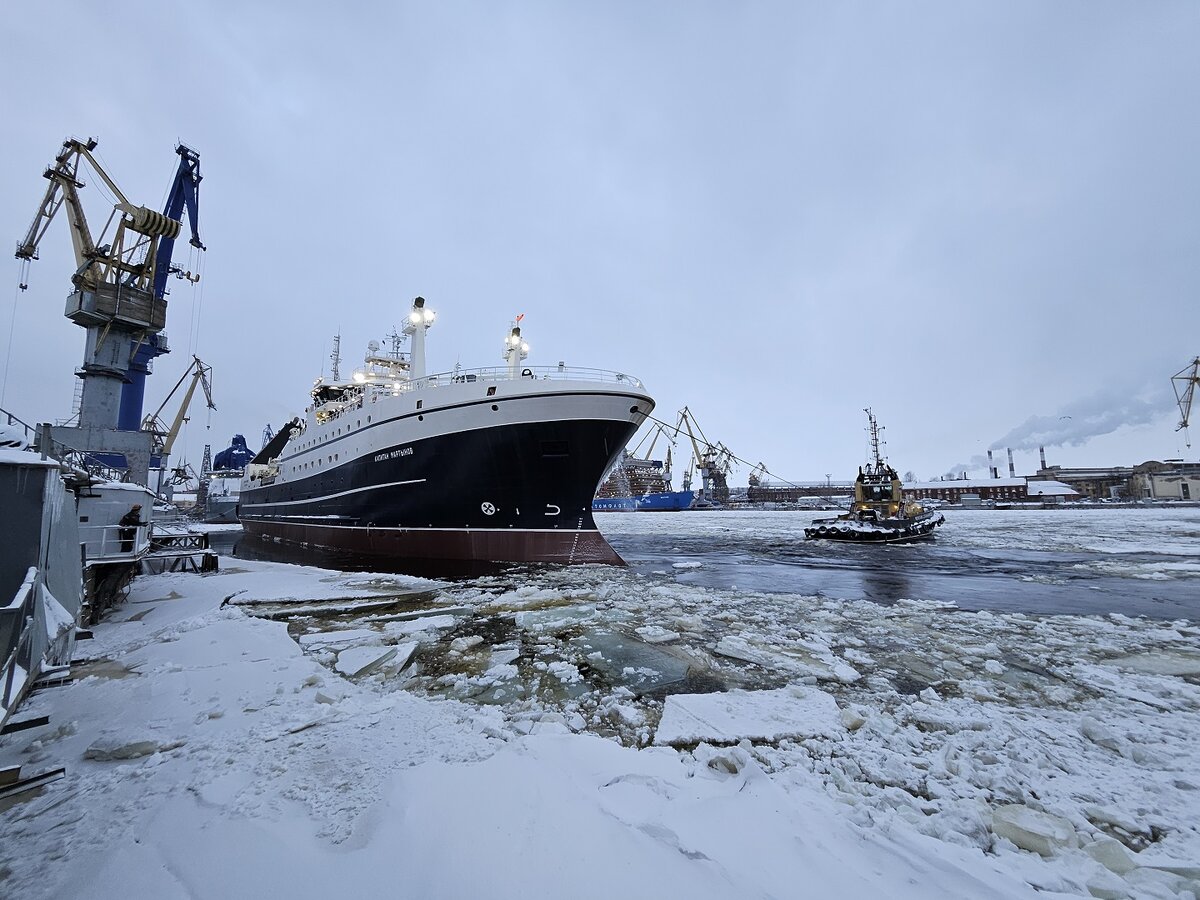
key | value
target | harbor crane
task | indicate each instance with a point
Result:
(119, 296)
(714, 461)
(1184, 382)
(165, 436)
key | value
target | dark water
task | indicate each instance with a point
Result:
(1046, 582)
(1135, 565)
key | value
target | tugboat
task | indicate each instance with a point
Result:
(475, 465)
(879, 513)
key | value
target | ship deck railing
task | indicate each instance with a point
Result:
(107, 544)
(488, 375)
(529, 373)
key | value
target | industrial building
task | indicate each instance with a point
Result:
(1152, 480)
(1170, 480)
(1002, 490)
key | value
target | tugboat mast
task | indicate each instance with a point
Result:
(877, 464)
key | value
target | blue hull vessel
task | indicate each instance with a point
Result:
(660, 501)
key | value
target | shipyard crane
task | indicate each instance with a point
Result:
(164, 435)
(715, 461)
(758, 475)
(1184, 382)
(184, 194)
(119, 296)
(658, 430)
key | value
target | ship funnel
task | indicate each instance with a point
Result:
(1012, 470)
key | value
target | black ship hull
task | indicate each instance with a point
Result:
(515, 491)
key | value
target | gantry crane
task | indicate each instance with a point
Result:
(1184, 382)
(119, 297)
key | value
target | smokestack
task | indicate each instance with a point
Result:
(1042, 453)
(1012, 470)
(991, 466)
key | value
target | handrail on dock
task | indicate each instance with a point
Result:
(16, 642)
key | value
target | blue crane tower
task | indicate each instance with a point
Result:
(185, 191)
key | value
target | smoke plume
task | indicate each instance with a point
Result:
(1078, 422)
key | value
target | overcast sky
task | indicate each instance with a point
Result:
(979, 219)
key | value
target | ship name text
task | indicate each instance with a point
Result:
(394, 454)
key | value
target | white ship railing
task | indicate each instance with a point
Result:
(375, 388)
(535, 373)
(105, 543)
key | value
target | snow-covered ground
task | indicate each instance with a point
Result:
(596, 732)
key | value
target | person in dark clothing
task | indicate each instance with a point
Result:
(129, 525)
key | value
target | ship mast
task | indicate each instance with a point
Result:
(877, 465)
(515, 348)
(335, 358)
(419, 320)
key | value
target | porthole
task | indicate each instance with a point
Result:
(420, 418)
(633, 409)
(495, 408)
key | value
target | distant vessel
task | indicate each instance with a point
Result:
(224, 482)
(641, 484)
(481, 465)
(879, 513)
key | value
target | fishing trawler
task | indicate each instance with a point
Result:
(480, 465)
(879, 513)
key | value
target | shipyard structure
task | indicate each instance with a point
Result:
(1154, 480)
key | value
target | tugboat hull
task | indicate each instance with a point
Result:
(884, 531)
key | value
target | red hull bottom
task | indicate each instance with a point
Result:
(468, 545)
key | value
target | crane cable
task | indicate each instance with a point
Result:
(12, 326)
(730, 453)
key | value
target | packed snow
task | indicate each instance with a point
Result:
(595, 732)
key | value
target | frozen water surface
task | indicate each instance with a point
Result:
(973, 688)
(1019, 701)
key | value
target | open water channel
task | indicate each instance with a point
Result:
(1136, 562)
